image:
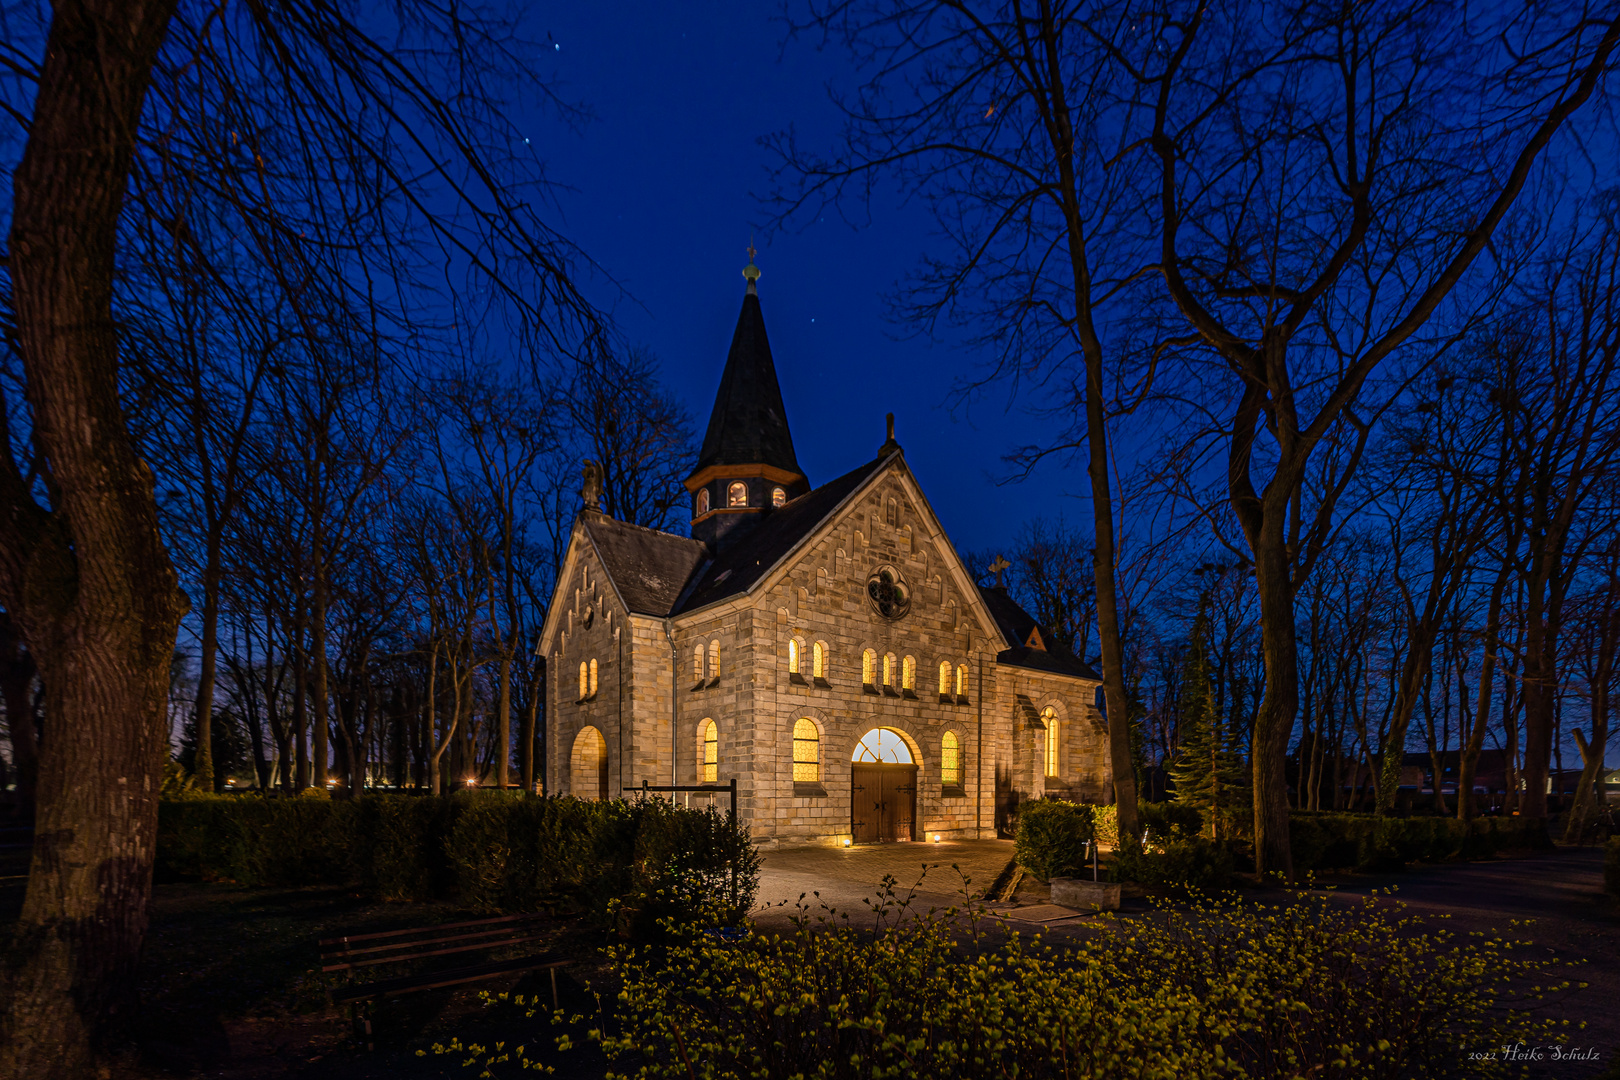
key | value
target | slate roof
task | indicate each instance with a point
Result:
(737, 568)
(649, 568)
(749, 423)
(1016, 624)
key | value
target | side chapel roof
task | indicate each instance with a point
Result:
(1019, 626)
(649, 568)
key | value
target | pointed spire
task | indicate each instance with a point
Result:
(749, 423)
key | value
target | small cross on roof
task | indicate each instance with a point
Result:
(997, 567)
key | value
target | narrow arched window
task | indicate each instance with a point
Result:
(584, 680)
(697, 663)
(961, 680)
(888, 671)
(714, 660)
(950, 761)
(778, 496)
(709, 761)
(703, 502)
(1050, 718)
(806, 752)
(593, 678)
(737, 494)
(869, 669)
(908, 675)
(944, 678)
(818, 660)
(793, 656)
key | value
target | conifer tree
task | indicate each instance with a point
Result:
(1209, 772)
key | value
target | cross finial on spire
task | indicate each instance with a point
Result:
(997, 567)
(751, 272)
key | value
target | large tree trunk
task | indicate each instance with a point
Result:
(1274, 723)
(88, 581)
(17, 692)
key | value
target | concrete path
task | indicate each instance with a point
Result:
(848, 880)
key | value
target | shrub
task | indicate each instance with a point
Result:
(1186, 863)
(1308, 987)
(488, 850)
(1332, 840)
(1052, 837)
(1168, 820)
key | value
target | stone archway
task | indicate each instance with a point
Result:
(883, 788)
(588, 765)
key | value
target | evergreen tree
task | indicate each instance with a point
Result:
(1209, 772)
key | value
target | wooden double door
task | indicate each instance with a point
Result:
(884, 803)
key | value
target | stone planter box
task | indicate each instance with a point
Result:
(1082, 895)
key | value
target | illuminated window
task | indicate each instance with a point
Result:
(888, 671)
(737, 494)
(778, 496)
(703, 502)
(714, 660)
(584, 680)
(944, 678)
(961, 680)
(869, 669)
(709, 765)
(793, 657)
(806, 752)
(908, 675)
(883, 745)
(697, 663)
(1050, 718)
(950, 761)
(593, 678)
(818, 660)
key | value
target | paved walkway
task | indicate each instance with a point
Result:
(849, 880)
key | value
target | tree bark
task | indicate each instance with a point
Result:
(17, 675)
(88, 580)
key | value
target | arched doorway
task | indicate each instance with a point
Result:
(588, 765)
(883, 778)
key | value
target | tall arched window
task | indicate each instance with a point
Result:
(950, 761)
(908, 675)
(737, 494)
(584, 680)
(714, 660)
(806, 752)
(944, 678)
(888, 671)
(778, 496)
(818, 660)
(961, 680)
(697, 663)
(793, 656)
(869, 669)
(593, 678)
(1049, 717)
(703, 502)
(709, 761)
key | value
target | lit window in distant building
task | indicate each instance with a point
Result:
(737, 494)
(950, 761)
(710, 765)
(778, 496)
(806, 752)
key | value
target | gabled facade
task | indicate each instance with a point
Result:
(823, 646)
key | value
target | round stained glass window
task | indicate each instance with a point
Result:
(889, 595)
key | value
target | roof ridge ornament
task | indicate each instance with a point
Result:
(751, 272)
(889, 446)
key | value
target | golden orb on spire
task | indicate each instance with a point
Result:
(751, 272)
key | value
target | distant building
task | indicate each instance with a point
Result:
(824, 646)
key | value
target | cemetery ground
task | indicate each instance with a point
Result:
(229, 985)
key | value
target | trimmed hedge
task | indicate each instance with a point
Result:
(487, 850)
(1052, 837)
(1333, 841)
(1164, 820)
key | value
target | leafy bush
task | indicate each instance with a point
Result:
(1052, 837)
(1186, 863)
(1323, 840)
(1308, 987)
(1164, 820)
(488, 850)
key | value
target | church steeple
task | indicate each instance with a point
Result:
(747, 465)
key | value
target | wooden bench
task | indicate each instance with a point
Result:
(351, 952)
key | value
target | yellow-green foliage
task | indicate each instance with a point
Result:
(1306, 987)
(1052, 837)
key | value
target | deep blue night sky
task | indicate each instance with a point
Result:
(665, 182)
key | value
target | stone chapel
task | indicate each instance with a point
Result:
(824, 646)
